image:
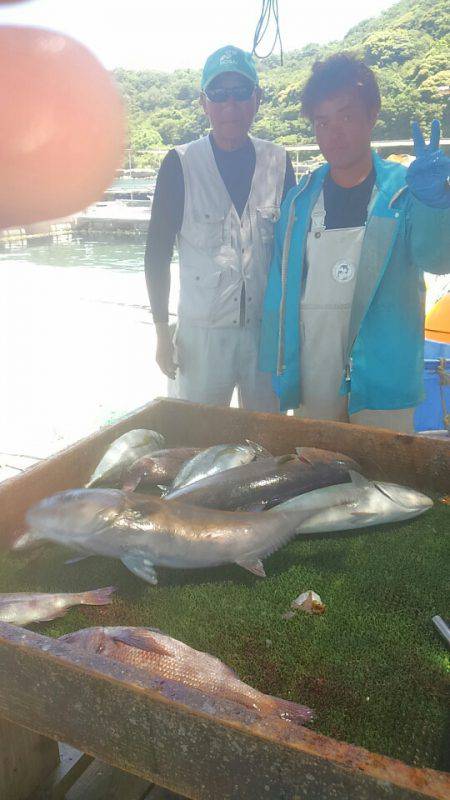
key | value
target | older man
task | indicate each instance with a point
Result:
(219, 196)
(344, 309)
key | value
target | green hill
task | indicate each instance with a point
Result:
(408, 46)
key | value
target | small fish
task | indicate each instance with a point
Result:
(217, 459)
(122, 453)
(24, 607)
(144, 531)
(170, 659)
(358, 504)
(259, 485)
(159, 469)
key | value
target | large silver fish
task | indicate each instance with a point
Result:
(260, 485)
(217, 459)
(358, 504)
(144, 531)
(170, 659)
(24, 607)
(122, 453)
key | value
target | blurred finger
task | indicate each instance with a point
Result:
(419, 141)
(62, 130)
(435, 135)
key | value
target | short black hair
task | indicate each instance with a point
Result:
(339, 72)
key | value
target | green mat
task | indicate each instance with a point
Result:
(372, 666)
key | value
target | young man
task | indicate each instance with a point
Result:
(342, 330)
(220, 197)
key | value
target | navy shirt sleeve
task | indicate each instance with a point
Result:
(165, 222)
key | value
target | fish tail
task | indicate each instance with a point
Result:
(97, 597)
(293, 712)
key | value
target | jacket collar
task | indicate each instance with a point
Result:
(389, 178)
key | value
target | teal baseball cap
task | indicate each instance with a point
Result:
(229, 59)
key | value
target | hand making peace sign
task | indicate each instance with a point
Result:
(428, 177)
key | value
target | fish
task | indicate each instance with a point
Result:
(22, 608)
(122, 453)
(170, 659)
(145, 531)
(158, 469)
(260, 485)
(358, 504)
(217, 459)
(315, 455)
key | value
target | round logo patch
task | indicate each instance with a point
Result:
(343, 271)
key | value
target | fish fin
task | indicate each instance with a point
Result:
(256, 567)
(357, 479)
(76, 559)
(52, 615)
(287, 457)
(302, 456)
(140, 565)
(362, 516)
(142, 640)
(98, 597)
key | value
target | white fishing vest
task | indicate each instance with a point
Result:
(220, 252)
(332, 258)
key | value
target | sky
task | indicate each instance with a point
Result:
(171, 34)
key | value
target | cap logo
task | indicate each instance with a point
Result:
(229, 57)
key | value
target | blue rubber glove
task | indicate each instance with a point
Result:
(428, 176)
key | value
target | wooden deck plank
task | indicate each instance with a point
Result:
(100, 781)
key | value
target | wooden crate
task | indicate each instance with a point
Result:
(129, 720)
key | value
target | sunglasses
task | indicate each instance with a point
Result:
(238, 93)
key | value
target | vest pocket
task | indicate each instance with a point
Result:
(207, 232)
(267, 216)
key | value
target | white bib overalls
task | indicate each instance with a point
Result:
(332, 261)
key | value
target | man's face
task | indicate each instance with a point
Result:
(231, 118)
(343, 127)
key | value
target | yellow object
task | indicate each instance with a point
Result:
(437, 321)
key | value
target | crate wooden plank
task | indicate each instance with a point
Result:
(397, 457)
(195, 745)
(26, 758)
(100, 781)
(414, 461)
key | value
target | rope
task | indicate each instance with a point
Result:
(269, 12)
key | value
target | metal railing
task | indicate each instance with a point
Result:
(300, 165)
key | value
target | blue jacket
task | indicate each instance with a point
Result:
(403, 238)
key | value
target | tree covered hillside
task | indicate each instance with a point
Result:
(408, 46)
